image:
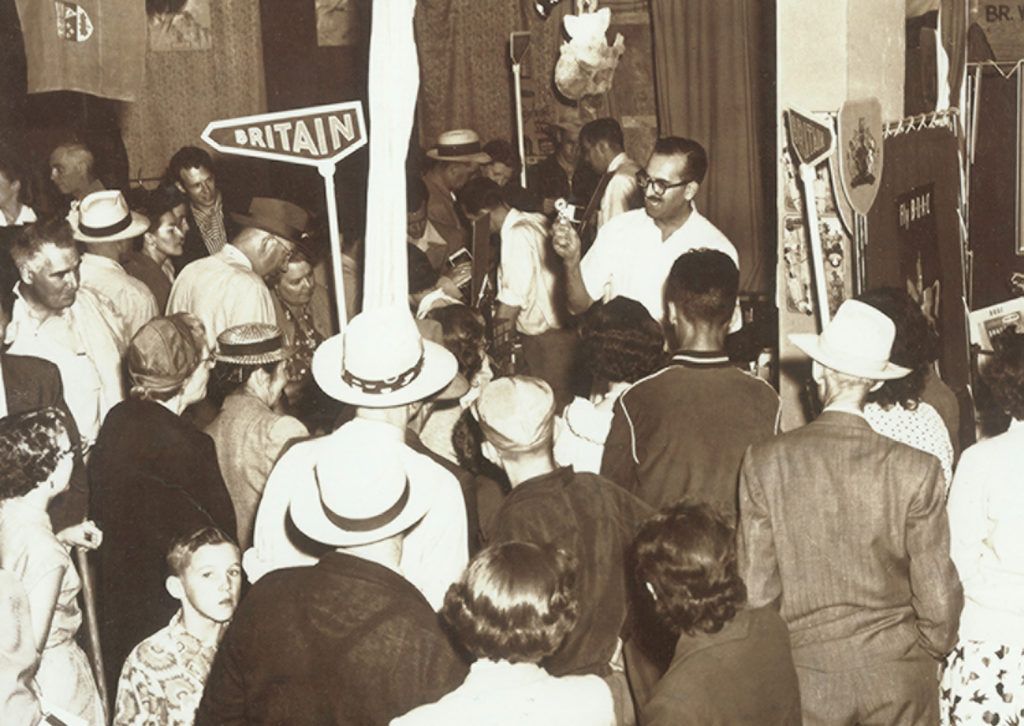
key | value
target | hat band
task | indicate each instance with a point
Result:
(350, 524)
(471, 147)
(257, 347)
(118, 226)
(386, 385)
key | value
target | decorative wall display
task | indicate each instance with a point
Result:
(184, 26)
(337, 23)
(916, 241)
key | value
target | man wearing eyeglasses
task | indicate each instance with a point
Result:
(634, 252)
(227, 288)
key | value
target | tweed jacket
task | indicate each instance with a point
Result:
(346, 641)
(847, 530)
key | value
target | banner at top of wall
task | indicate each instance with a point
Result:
(314, 136)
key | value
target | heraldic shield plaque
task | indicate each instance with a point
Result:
(861, 152)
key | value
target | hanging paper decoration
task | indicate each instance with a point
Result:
(587, 63)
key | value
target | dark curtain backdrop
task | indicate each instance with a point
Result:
(714, 69)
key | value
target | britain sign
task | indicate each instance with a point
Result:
(314, 136)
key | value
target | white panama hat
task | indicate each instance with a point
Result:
(105, 217)
(857, 341)
(459, 145)
(359, 492)
(382, 360)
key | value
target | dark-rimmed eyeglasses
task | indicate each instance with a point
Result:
(660, 186)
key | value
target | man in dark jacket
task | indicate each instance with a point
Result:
(582, 513)
(348, 640)
(681, 432)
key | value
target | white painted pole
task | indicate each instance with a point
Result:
(809, 177)
(327, 172)
(517, 76)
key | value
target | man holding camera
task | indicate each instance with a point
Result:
(634, 251)
(527, 276)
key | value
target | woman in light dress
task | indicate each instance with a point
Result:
(36, 458)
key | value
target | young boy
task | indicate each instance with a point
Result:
(163, 677)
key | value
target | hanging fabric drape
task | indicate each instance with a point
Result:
(393, 83)
(91, 46)
(711, 87)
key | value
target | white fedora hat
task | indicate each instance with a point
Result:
(105, 217)
(857, 341)
(381, 360)
(459, 145)
(359, 492)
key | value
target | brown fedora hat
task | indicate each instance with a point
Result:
(275, 216)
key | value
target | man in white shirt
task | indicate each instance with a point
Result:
(227, 289)
(527, 280)
(387, 370)
(634, 252)
(74, 328)
(107, 228)
(602, 146)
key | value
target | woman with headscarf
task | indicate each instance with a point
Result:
(153, 476)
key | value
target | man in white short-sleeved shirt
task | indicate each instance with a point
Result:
(527, 279)
(634, 252)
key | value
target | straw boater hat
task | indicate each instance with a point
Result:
(459, 145)
(251, 344)
(382, 360)
(276, 216)
(105, 217)
(857, 341)
(359, 492)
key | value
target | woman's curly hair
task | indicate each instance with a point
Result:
(621, 341)
(1005, 372)
(464, 336)
(29, 449)
(915, 346)
(685, 556)
(516, 601)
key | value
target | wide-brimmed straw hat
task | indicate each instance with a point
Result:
(382, 360)
(276, 216)
(105, 217)
(359, 493)
(459, 145)
(252, 344)
(857, 341)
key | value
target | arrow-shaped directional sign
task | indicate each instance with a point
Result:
(314, 136)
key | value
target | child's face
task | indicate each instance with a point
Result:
(212, 581)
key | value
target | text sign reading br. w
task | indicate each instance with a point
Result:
(314, 136)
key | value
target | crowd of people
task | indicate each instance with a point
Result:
(560, 503)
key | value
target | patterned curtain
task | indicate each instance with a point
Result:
(185, 90)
